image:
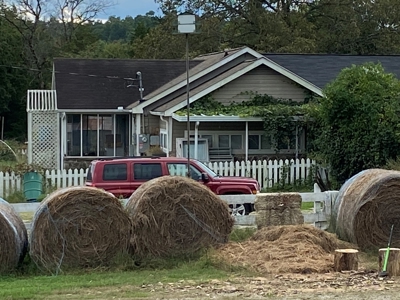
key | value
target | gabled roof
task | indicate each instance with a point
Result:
(321, 69)
(228, 76)
(205, 68)
(83, 91)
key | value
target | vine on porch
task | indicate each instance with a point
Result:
(280, 116)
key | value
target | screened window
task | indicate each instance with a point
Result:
(146, 171)
(97, 135)
(115, 172)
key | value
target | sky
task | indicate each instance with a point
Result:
(123, 8)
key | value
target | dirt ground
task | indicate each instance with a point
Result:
(344, 286)
(322, 286)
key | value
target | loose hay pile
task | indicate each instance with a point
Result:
(13, 238)
(366, 207)
(79, 227)
(174, 215)
(284, 249)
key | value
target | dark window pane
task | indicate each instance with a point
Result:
(236, 141)
(254, 141)
(146, 171)
(223, 141)
(209, 138)
(115, 172)
(266, 142)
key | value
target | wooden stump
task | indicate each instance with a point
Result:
(393, 265)
(345, 260)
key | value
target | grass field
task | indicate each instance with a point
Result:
(120, 284)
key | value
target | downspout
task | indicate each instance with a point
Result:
(166, 127)
(196, 139)
(247, 142)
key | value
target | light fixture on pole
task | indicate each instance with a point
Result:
(187, 25)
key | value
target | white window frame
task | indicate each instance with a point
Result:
(163, 147)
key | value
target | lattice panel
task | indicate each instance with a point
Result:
(45, 131)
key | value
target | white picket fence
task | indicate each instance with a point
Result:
(268, 173)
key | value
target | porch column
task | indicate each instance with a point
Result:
(196, 139)
(169, 135)
(246, 139)
(138, 131)
(297, 141)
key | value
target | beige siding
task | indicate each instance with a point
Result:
(262, 80)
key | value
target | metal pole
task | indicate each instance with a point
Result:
(188, 104)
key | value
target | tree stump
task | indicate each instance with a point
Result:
(345, 260)
(393, 265)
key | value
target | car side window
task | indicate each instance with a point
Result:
(115, 172)
(180, 169)
(146, 171)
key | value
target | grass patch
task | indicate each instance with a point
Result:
(307, 205)
(242, 234)
(119, 283)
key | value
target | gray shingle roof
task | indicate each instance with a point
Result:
(321, 69)
(99, 92)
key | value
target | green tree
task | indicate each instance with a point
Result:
(359, 118)
(13, 81)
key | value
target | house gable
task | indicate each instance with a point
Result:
(217, 83)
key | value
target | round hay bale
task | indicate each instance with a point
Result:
(366, 207)
(174, 215)
(79, 227)
(14, 239)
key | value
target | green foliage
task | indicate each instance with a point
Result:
(359, 120)
(239, 235)
(282, 117)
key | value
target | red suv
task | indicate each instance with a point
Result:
(122, 176)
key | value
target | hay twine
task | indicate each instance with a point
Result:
(366, 207)
(14, 238)
(174, 215)
(79, 227)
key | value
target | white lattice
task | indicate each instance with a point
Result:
(45, 132)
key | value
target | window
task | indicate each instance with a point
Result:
(287, 142)
(223, 141)
(163, 140)
(259, 141)
(97, 135)
(209, 137)
(180, 169)
(236, 141)
(233, 141)
(146, 171)
(115, 172)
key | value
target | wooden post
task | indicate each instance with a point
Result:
(345, 260)
(393, 266)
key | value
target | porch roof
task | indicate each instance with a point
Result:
(216, 118)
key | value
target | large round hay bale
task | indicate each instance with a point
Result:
(79, 227)
(366, 207)
(13, 238)
(174, 215)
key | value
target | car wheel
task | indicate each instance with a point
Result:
(237, 209)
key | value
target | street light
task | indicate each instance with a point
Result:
(187, 25)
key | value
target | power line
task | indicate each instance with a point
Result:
(71, 73)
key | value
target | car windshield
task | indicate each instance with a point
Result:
(208, 170)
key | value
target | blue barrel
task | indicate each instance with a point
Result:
(32, 186)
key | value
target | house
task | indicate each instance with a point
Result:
(107, 108)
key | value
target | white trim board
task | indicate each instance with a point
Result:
(261, 61)
(220, 118)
